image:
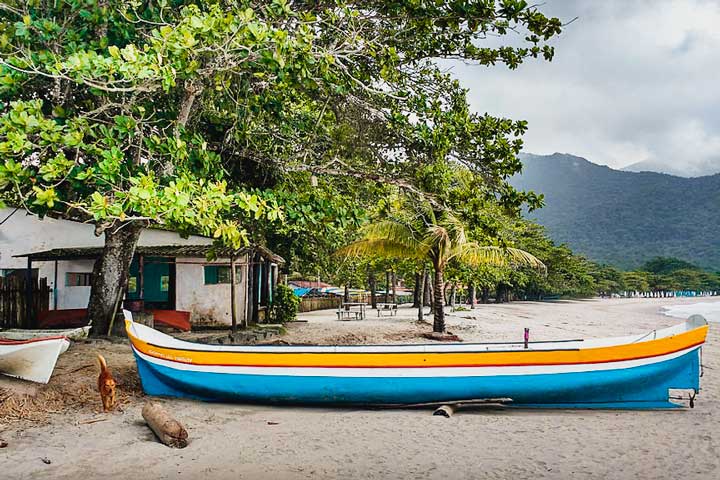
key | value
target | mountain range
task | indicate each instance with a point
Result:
(625, 218)
(695, 170)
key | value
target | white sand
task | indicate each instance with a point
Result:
(236, 441)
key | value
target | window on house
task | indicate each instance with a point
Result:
(82, 279)
(132, 285)
(215, 274)
(164, 283)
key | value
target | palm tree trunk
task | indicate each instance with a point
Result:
(387, 285)
(471, 295)
(427, 295)
(439, 308)
(421, 295)
(346, 294)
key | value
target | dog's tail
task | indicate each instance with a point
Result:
(103, 363)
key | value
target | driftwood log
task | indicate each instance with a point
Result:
(168, 430)
(445, 411)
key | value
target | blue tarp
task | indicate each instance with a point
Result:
(300, 292)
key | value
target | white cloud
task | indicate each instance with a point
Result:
(631, 81)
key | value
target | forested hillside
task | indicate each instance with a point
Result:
(625, 218)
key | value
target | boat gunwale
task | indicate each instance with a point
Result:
(11, 342)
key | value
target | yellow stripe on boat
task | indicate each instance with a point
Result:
(616, 353)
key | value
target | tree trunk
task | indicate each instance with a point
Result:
(427, 294)
(373, 289)
(110, 274)
(421, 295)
(453, 293)
(485, 295)
(471, 295)
(394, 287)
(416, 291)
(387, 285)
(439, 309)
(346, 294)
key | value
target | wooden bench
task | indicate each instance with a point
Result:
(351, 311)
(389, 308)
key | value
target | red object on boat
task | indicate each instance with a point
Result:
(172, 318)
(75, 317)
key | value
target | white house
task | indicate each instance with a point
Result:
(168, 272)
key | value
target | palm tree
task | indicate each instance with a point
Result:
(438, 238)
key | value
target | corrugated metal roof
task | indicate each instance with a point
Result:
(152, 251)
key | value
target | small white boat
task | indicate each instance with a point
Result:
(74, 334)
(33, 359)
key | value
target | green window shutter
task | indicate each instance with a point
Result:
(211, 274)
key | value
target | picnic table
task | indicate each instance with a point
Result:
(351, 311)
(389, 308)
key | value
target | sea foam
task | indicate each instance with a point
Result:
(709, 310)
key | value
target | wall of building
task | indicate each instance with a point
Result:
(208, 303)
(68, 296)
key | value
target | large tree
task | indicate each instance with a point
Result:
(157, 112)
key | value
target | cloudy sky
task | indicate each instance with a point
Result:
(631, 81)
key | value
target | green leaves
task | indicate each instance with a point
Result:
(46, 198)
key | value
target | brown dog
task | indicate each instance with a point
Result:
(106, 385)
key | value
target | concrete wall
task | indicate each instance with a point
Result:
(69, 297)
(208, 303)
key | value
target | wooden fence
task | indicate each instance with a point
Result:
(310, 304)
(13, 301)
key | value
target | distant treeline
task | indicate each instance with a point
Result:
(572, 276)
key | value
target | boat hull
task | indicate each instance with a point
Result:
(641, 386)
(630, 372)
(32, 360)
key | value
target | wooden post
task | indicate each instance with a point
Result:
(250, 288)
(421, 295)
(141, 277)
(29, 292)
(233, 282)
(55, 287)
(256, 293)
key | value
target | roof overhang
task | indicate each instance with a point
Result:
(91, 253)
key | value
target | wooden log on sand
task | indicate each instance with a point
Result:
(445, 411)
(166, 428)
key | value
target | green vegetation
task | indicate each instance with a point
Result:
(285, 305)
(305, 127)
(208, 116)
(423, 235)
(625, 218)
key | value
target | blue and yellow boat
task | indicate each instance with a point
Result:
(637, 371)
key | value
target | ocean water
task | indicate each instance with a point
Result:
(709, 310)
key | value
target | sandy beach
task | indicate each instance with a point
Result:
(241, 441)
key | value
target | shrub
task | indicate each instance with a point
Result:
(285, 304)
